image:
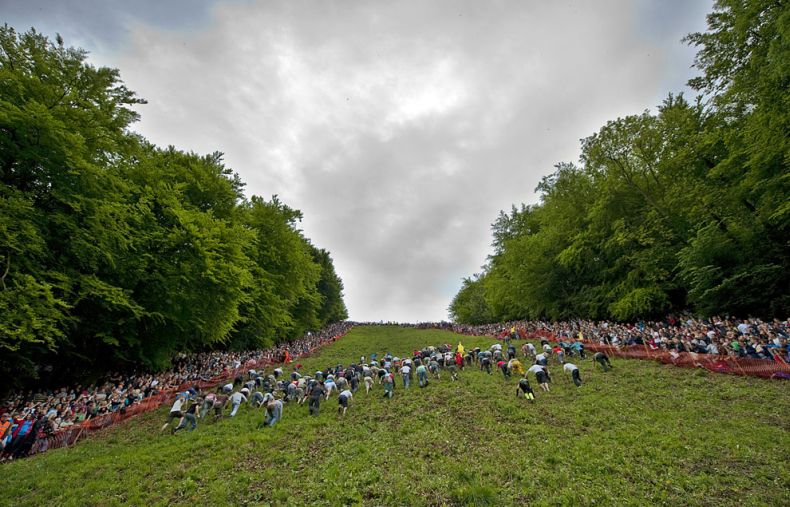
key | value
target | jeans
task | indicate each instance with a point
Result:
(273, 416)
(188, 418)
(577, 379)
(234, 409)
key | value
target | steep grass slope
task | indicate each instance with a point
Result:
(641, 434)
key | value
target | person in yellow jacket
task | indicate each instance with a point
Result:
(516, 366)
(460, 349)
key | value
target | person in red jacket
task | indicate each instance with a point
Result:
(5, 430)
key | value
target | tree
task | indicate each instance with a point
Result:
(116, 253)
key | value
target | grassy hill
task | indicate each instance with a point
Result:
(641, 434)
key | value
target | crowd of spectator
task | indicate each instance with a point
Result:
(37, 414)
(744, 338)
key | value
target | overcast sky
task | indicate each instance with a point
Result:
(400, 129)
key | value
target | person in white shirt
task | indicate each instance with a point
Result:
(540, 375)
(528, 349)
(405, 372)
(329, 385)
(574, 372)
(342, 400)
(236, 400)
(175, 411)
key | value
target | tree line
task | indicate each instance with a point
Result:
(686, 207)
(115, 253)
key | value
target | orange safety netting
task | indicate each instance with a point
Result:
(69, 436)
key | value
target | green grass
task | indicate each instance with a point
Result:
(642, 434)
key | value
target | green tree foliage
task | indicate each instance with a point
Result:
(470, 305)
(114, 252)
(685, 207)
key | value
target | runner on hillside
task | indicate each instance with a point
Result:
(574, 372)
(256, 400)
(577, 347)
(524, 389)
(316, 391)
(603, 360)
(354, 382)
(453, 369)
(236, 399)
(342, 383)
(274, 412)
(540, 375)
(389, 385)
(433, 367)
(422, 375)
(343, 400)
(459, 360)
(219, 404)
(559, 354)
(208, 403)
(405, 372)
(175, 411)
(529, 350)
(516, 366)
(190, 416)
(329, 385)
(485, 361)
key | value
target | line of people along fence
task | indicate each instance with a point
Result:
(777, 369)
(67, 437)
